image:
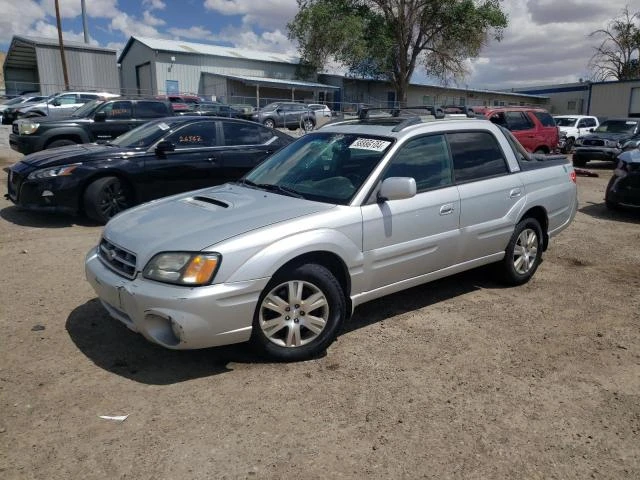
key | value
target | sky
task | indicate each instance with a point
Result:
(547, 41)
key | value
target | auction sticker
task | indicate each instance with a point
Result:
(163, 126)
(370, 144)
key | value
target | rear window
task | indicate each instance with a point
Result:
(476, 155)
(145, 109)
(545, 119)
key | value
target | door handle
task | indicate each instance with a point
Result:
(446, 209)
(515, 193)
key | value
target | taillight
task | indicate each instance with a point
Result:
(572, 176)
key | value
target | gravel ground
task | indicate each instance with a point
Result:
(457, 379)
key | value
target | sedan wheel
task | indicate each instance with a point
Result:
(105, 198)
(307, 124)
(269, 123)
(525, 251)
(299, 313)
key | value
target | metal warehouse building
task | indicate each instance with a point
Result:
(152, 66)
(34, 64)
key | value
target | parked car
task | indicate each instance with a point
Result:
(351, 212)
(181, 103)
(16, 102)
(245, 109)
(95, 121)
(289, 115)
(534, 127)
(159, 158)
(320, 110)
(623, 189)
(572, 127)
(211, 109)
(57, 106)
(605, 143)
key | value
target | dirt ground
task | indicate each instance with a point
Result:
(457, 379)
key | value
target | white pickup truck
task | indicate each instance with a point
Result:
(573, 126)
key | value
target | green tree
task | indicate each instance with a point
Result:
(389, 38)
(617, 56)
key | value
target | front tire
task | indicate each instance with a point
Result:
(524, 252)
(106, 197)
(269, 123)
(307, 124)
(299, 313)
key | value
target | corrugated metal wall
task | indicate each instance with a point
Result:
(87, 70)
(138, 54)
(611, 99)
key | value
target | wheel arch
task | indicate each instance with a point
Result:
(73, 136)
(540, 214)
(331, 262)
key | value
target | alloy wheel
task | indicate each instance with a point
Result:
(525, 252)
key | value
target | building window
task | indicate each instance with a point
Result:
(571, 105)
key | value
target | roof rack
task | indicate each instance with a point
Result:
(436, 112)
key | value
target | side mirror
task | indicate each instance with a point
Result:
(163, 147)
(591, 130)
(55, 103)
(100, 117)
(397, 188)
(278, 111)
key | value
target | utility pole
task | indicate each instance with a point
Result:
(64, 62)
(84, 22)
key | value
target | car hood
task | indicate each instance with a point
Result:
(608, 136)
(73, 154)
(196, 220)
(631, 156)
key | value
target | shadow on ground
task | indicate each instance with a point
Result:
(113, 347)
(600, 210)
(26, 218)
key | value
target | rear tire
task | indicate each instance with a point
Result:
(61, 143)
(299, 313)
(307, 125)
(523, 253)
(106, 197)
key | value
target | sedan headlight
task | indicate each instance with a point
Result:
(27, 128)
(182, 268)
(59, 171)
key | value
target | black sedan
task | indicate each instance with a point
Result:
(160, 158)
(623, 189)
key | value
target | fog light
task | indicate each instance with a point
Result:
(162, 329)
(176, 328)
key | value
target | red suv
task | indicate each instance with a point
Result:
(534, 127)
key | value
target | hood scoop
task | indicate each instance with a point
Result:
(210, 200)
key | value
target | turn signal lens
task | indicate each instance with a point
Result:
(200, 270)
(572, 176)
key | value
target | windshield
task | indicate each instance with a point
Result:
(617, 126)
(325, 167)
(270, 106)
(144, 136)
(565, 122)
(87, 109)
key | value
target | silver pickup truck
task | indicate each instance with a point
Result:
(351, 212)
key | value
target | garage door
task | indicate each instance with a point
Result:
(143, 79)
(634, 108)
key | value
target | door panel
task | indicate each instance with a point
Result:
(407, 238)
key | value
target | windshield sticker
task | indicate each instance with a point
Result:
(370, 144)
(163, 126)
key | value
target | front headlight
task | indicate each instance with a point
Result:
(27, 128)
(183, 268)
(610, 143)
(59, 171)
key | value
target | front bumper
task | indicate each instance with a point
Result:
(176, 317)
(624, 190)
(26, 144)
(596, 153)
(56, 194)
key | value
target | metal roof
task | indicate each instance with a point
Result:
(274, 82)
(22, 51)
(178, 46)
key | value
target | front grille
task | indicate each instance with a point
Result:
(593, 143)
(117, 259)
(14, 128)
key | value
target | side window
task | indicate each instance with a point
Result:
(545, 119)
(150, 109)
(201, 134)
(518, 121)
(266, 134)
(590, 122)
(426, 159)
(582, 123)
(476, 155)
(236, 133)
(117, 110)
(68, 99)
